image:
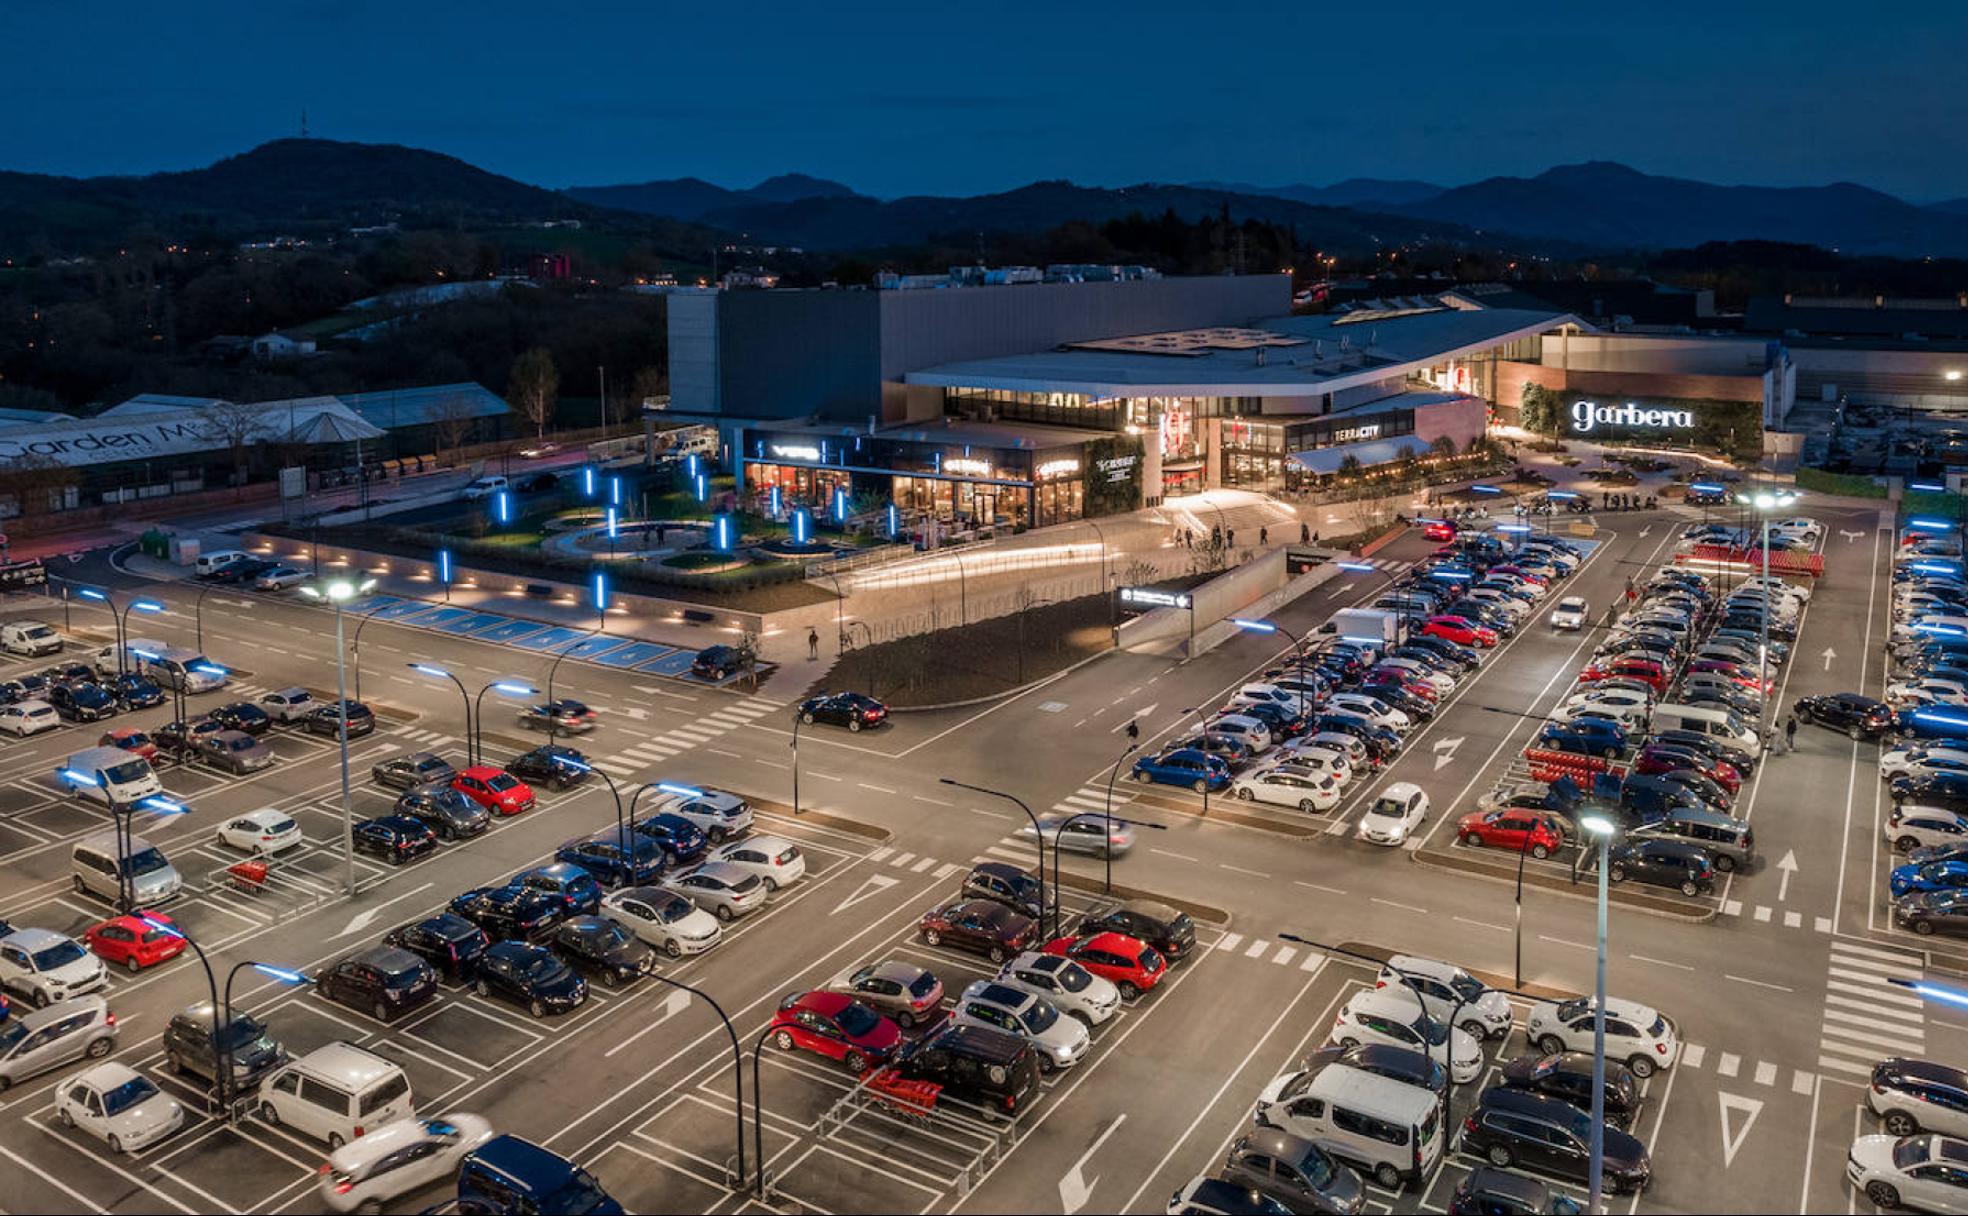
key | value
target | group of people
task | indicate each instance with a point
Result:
(1610, 501)
(1221, 537)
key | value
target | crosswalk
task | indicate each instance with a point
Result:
(1731, 1066)
(914, 863)
(659, 748)
(1279, 954)
(1866, 1016)
(426, 736)
(1765, 914)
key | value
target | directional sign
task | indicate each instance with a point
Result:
(359, 922)
(1786, 867)
(871, 886)
(1346, 587)
(1850, 536)
(1445, 751)
(639, 715)
(1748, 1109)
(1829, 655)
(1075, 1188)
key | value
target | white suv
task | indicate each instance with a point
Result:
(1925, 1173)
(289, 704)
(1071, 987)
(1396, 1018)
(1448, 992)
(1635, 1033)
(45, 967)
(1919, 1096)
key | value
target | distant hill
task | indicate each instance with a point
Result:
(1605, 205)
(691, 198)
(1367, 192)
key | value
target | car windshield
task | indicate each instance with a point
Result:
(610, 934)
(406, 978)
(1434, 1033)
(581, 1194)
(128, 1094)
(1316, 1166)
(542, 968)
(60, 954)
(1467, 987)
(1039, 1018)
(244, 1031)
(500, 783)
(676, 908)
(1073, 977)
(146, 862)
(10, 1034)
(923, 984)
(129, 770)
(856, 1020)
(1392, 808)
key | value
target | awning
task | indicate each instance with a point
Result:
(1370, 453)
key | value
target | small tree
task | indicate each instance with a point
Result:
(451, 423)
(1443, 446)
(239, 425)
(533, 387)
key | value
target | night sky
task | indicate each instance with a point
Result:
(963, 98)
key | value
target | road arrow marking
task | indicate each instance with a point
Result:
(1786, 867)
(1850, 536)
(1074, 1189)
(361, 920)
(1445, 752)
(1829, 655)
(1136, 716)
(1645, 530)
(1749, 1108)
(871, 886)
(676, 1002)
(1346, 588)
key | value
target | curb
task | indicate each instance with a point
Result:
(1022, 689)
(1492, 979)
(839, 823)
(1532, 878)
(1197, 911)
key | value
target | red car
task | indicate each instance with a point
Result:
(1648, 672)
(1133, 966)
(1385, 678)
(1460, 630)
(1511, 828)
(980, 926)
(837, 1026)
(1659, 758)
(130, 739)
(1439, 529)
(1529, 576)
(495, 789)
(1734, 672)
(132, 942)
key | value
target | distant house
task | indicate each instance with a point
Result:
(549, 267)
(277, 345)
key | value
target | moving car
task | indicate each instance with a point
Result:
(1912, 1096)
(835, 1026)
(564, 716)
(1925, 1173)
(1571, 612)
(1394, 815)
(398, 1158)
(1093, 833)
(853, 710)
(1859, 716)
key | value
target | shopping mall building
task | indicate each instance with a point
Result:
(1038, 402)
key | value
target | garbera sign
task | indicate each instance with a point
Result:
(1589, 414)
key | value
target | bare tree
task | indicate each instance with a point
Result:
(239, 425)
(34, 485)
(451, 423)
(534, 386)
(649, 383)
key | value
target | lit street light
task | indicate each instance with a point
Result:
(339, 593)
(1601, 829)
(120, 815)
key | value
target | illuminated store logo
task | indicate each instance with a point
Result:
(966, 467)
(1117, 468)
(1353, 434)
(1149, 597)
(1059, 468)
(1588, 414)
(795, 451)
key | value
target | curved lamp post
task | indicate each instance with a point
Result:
(1059, 834)
(1038, 836)
(211, 986)
(340, 592)
(1134, 732)
(1765, 501)
(122, 618)
(1601, 829)
(120, 816)
(285, 975)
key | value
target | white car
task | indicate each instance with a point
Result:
(29, 717)
(1441, 682)
(45, 967)
(1921, 758)
(1640, 1037)
(1394, 815)
(665, 920)
(1622, 703)
(1450, 994)
(1396, 1018)
(1924, 1173)
(1503, 601)
(280, 578)
(398, 1158)
(717, 814)
(1927, 691)
(484, 487)
(1326, 761)
(263, 831)
(119, 1106)
(1071, 987)
(1910, 827)
(1337, 741)
(1800, 526)
(289, 704)
(776, 860)
(1288, 784)
(1373, 710)
(1571, 613)
(1060, 1041)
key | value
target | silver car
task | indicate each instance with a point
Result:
(1083, 834)
(1060, 1041)
(718, 887)
(717, 814)
(51, 1037)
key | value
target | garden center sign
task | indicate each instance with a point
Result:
(1588, 414)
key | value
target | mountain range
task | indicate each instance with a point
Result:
(1596, 206)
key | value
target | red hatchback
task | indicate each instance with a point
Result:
(1133, 966)
(1648, 672)
(495, 789)
(1511, 828)
(1743, 677)
(1439, 529)
(130, 739)
(1662, 758)
(1460, 630)
(133, 942)
(837, 1026)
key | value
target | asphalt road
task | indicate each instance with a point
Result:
(1777, 982)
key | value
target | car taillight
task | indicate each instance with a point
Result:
(109, 1019)
(1469, 1125)
(358, 1129)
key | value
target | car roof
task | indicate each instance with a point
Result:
(1926, 1070)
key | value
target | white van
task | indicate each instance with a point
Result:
(1388, 1129)
(218, 559)
(30, 638)
(119, 778)
(92, 870)
(180, 667)
(105, 658)
(336, 1093)
(1719, 724)
(484, 487)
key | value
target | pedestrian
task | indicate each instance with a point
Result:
(1263, 536)
(1229, 538)
(1304, 533)
(1216, 536)
(1315, 538)
(812, 643)
(1790, 732)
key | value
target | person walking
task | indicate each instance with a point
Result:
(812, 643)
(1790, 732)
(1263, 536)
(1304, 533)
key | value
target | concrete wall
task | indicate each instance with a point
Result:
(1227, 593)
(693, 351)
(1461, 421)
(1892, 377)
(1660, 354)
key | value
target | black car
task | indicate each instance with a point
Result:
(1662, 863)
(1004, 883)
(1510, 1127)
(1701, 785)
(1167, 929)
(602, 948)
(1282, 723)
(394, 838)
(1464, 658)
(384, 980)
(1927, 912)
(1299, 1173)
(974, 1064)
(1708, 745)
(1492, 1192)
(134, 691)
(538, 483)
(1567, 1076)
(243, 716)
(551, 764)
(849, 709)
(512, 913)
(63, 673)
(681, 839)
(1383, 1060)
(448, 942)
(443, 810)
(1949, 791)
(1381, 743)
(1217, 1197)
(532, 975)
(326, 721)
(412, 769)
(82, 701)
(718, 662)
(1859, 716)
(188, 1046)
(624, 859)
(1388, 691)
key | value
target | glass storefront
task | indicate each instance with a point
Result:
(963, 503)
(1253, 455)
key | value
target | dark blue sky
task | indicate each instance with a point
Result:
(922, 97)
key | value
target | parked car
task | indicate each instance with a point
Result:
(1516, 829)
(82, 1028)
(1931, 912)
(188, 1048)
(1641, 1036)
(1395, 1017)
(665, 920)
(1925, 1173)
(448, 942)
(1488, 1191)
(443, 809)
(243, 716)
(716, 813)
(385, 981)
(614, 859)
(979, 926)
(265, 831)
(552, 765)
(604, 948)
(394, 838)
(494, 789)
(836, 1027)
(573, 886)
(902, 991)
(1511, 1127)
(131, 739)
(675, 835)
(45, 967)
(1184, 766)
(328, 719)
(1004, 883)
(1567, 1076)
(412, 769)
(289, 704)
(133, 691)
(82, 701)
(119, 1106)
(720, 662)
(1168, 929)
(724, 890)
(773, 860)
(1909, 827)
(511, 913)
(1912, 1096)
(1660, 863)
(530, 975)
(135, 942)
(1131, 965)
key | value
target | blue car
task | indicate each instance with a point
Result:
(1586, 737)
(1184, 766)
(615, 861)
(1933, 722)
(1932, 876)
(577, 890)
(681, 839)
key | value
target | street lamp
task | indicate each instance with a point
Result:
(1134, 733)
(1601, 829)
(1298, 648)
(211, 983)
(621, 829)
(1765, 501)
(1059, 834)
(475, 745)
(1038, 836)
(340, 592)
(1203, 723)
(223, 1065)
(122, 618)
(463, 695)
(120, 816)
